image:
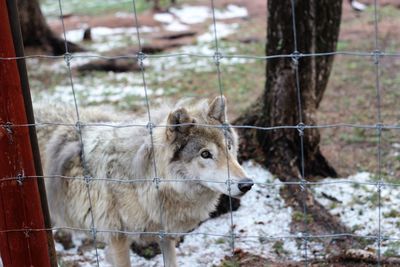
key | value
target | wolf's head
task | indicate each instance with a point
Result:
(204, 148)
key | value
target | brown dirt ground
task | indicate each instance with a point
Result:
(245, 259)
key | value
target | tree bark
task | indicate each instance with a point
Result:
(317, 30)
(317, 24)
(36, 32)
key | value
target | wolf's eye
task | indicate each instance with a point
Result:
(229, 146)
(206, 154)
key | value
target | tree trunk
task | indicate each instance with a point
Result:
(36, 32)
(317, 24)
(317, 30)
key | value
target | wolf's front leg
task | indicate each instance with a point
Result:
(117, 252)
(167, 246)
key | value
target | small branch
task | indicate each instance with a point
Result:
(331, 198)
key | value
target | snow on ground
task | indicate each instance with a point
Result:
(231, 11)
(223, 30)
(203, 47)
(263, 216)
(197, 14)
(357, 206)
(164, 17)
(191, 14)
(106, 39)
(176, 26)
(111, 88)
(164, 65)
(179, 19)
(114, 87)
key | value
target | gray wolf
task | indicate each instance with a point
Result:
(193, 156)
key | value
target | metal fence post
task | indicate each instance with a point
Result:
(25, 234)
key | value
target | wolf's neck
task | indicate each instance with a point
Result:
(126, 151)
(183, 211)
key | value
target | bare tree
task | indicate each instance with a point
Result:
(37, 33)
(317, 25)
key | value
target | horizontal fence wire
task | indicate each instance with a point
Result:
(8, 126)
(127, 180)
(72, 55)
(375, 56)
(149, 233)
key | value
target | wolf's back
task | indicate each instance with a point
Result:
(48, 119)
(53, 117)
(60, 150)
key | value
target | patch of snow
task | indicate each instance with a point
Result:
(147, 29)
(164, 17)
(110, 88)
(396, 145)
(198, 49)
(357, 205)
(231, 11)
(104, 31)
(223, 30)
(191, 14)
(105, 38)
(74, 36)
(198, 14)
(179, 18)
(176, 26)
(98, 32)
(358, 6)
(175, 64)
(170, 67)
(170, 22)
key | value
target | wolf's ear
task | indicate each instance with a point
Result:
(179, 116)
(217, 109)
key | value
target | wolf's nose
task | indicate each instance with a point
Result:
(245, 185)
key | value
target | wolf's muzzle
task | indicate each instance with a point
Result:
(245, 185)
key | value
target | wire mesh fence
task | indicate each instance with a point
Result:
(218, 58)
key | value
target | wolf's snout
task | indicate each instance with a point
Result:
(245, 185)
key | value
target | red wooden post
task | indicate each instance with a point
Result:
(23, 238)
